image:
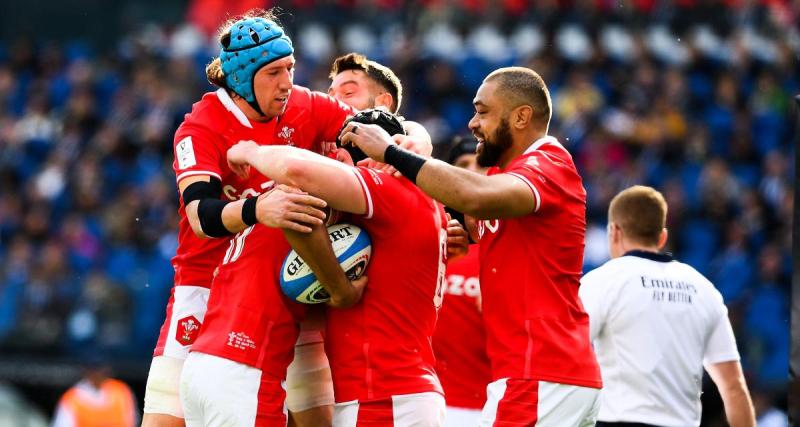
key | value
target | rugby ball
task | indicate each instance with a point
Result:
(353, 249)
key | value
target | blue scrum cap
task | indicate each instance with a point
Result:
(252, 44)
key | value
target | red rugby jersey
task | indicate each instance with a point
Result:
(201, 145)
(530, 274)
(249, 320)
(382, 346)
(460, 339)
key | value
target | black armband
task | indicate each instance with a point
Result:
(202, 190)
(249, 211)
(404, 161)
(210, 213)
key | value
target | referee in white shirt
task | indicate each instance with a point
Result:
(656, 323)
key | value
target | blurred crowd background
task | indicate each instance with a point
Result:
(692, 97)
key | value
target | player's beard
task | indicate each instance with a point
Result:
(493, 148)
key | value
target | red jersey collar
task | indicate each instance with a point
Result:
(547, 139)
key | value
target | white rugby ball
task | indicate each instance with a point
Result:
(353, 249)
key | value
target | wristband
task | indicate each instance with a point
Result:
(249, 211)
(404, 161)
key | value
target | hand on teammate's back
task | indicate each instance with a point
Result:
(290, 208)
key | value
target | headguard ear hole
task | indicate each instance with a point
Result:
(254, 36)
(226, 40)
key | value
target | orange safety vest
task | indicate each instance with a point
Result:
(115, 409)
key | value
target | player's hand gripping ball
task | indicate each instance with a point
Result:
(353, 249)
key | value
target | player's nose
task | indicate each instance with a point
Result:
(473, 123)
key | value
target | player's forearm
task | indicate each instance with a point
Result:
(470, 193)
(738, 406)
(732, 387)
(315, 249)
(290, 165)
(455, 187)
(231, 218)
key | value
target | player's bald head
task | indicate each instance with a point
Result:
(518, 86)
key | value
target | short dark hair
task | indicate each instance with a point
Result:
(380, 74)
(641, 213)
(523, 86)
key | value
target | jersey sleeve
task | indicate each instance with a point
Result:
(330, 114)
(721, 344)
(385, 194)
(543, 176)
(197, 151)
(594, 300)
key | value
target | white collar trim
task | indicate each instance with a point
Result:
(542, 141)
(231, 106)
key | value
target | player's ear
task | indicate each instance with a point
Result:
(614, 232)
(521, 116)
(384, 101)
(662, 239)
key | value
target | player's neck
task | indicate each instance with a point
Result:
(249, 111)
(521, 142)
(630, 247)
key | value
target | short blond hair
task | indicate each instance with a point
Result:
(641, 213)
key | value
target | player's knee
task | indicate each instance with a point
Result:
(162, 391)
(308, 380)
(309, 389)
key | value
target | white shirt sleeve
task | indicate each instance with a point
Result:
(721, 345)
(63, 417)
(592, 295)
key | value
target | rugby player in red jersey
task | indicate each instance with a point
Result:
(379, 349)
(362, 84)
(459, 343)
(256, 101)
(236, 370)
(532, 205)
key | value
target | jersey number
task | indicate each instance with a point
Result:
(438, 296)
(237, 246)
